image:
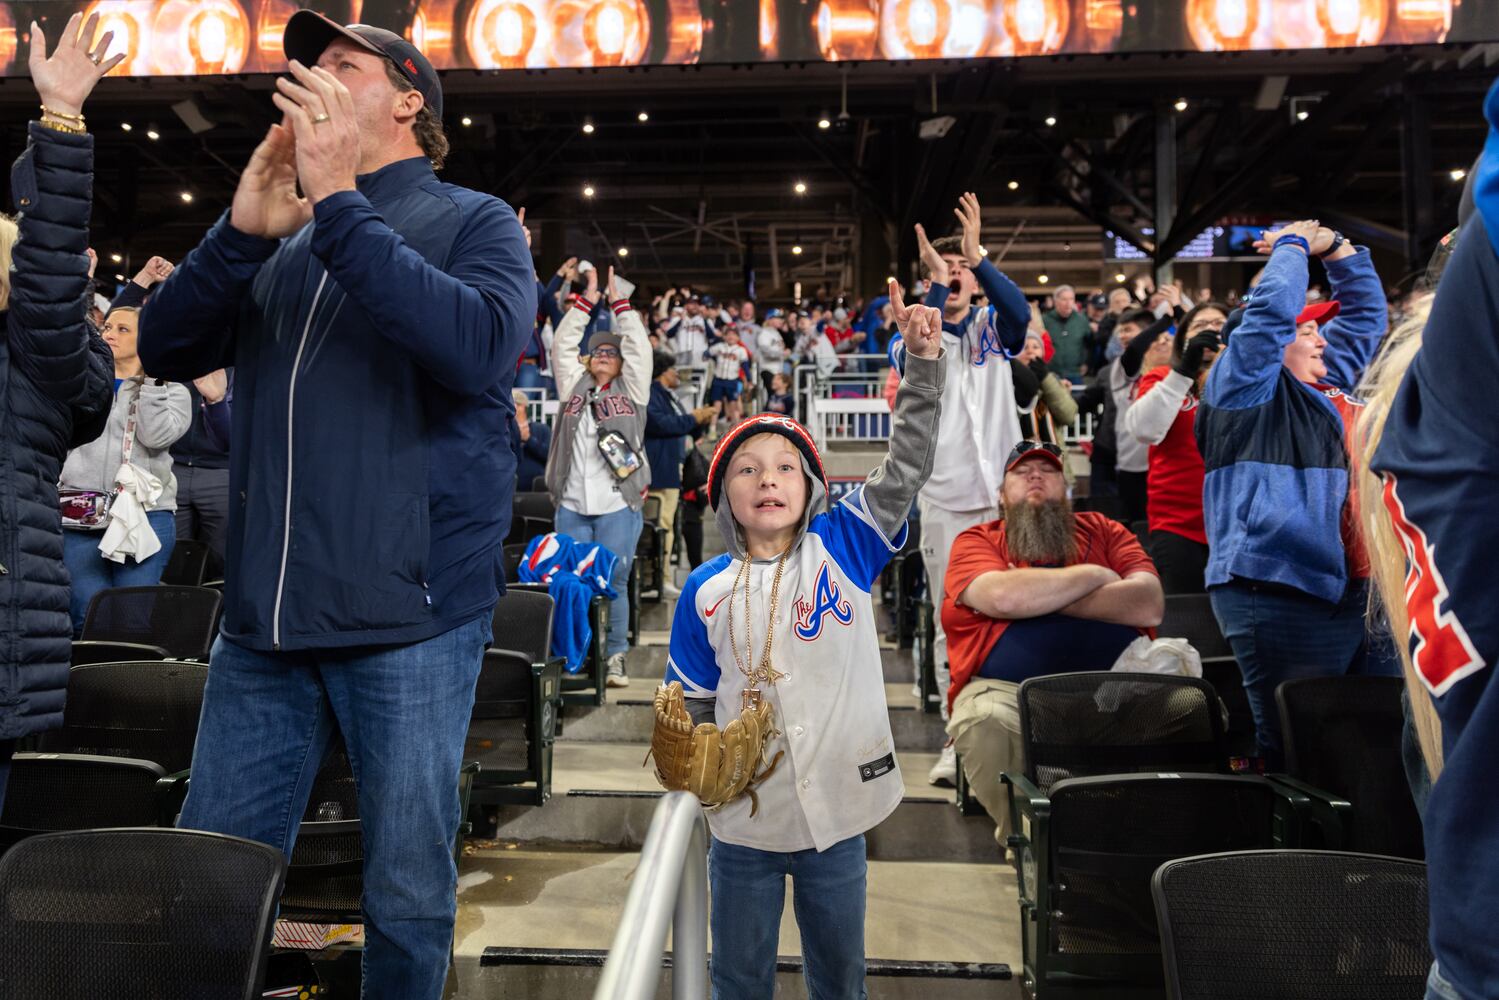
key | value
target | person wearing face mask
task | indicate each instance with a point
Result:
(597, 472)
(1287, 571)
(133, 460)
(1163, 416)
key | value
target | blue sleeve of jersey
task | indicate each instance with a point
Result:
(689, 657)
(1012, 313)
(854, 541)
(1248, 369)
(1364, 318)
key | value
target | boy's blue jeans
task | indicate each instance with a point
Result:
(268, 720)
(749, 892)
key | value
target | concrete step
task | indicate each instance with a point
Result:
(628, 716)
(533, 923)
(565, 975)
(603, 798)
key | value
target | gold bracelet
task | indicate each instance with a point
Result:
(60, 126)
(62, 114)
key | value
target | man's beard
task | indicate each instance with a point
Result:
(1040, 534)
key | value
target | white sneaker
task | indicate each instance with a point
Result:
(616, 677)
(668, 590)
(945, 771)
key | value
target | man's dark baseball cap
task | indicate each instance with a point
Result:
(308, 33)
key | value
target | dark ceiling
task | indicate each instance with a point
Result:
(708, 180)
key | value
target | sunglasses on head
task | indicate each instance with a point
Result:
(1026, 447)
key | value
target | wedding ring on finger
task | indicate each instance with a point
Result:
(319, 119)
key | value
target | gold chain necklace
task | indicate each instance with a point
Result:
(764, 673)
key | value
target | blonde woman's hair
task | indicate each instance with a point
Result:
(1387, 555)
(9, 233)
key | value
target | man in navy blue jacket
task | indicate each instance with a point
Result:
(374, 326)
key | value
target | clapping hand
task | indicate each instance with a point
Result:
(266, 202)
(610, 288)
(591, 285)
(968, 214)
(920, 326)
(931, 258)
(320, 111)
(66, 78)
(1306, 229)
(93, 259)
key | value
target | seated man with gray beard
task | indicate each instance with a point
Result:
(1039, 591)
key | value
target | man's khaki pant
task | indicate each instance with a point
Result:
(669, 499)
(985, 727)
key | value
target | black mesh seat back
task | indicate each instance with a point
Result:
(1294, 924)
(136, 913)
(523, 624)
(1110, 834)
(188, 565)
(1190, 617)
(181, 620)
(147, 711)
(115, 652)
(1109, 722)
(533, 504)
(1342, 735)
(504, 687)
(49, 791)
(514, 556)
(497, 744)
(329, 833)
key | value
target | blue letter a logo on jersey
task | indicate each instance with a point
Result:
(986, 342)
(827, 599)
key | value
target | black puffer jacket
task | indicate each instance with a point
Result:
(56, 384)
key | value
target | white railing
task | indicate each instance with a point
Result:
(669, 893)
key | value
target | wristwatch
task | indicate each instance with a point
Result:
(1338, 239)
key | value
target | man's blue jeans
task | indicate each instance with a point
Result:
(269, 719)
(91, 572)
(1280, 634)
(748, 889)
(1438, 988)
(619, 532)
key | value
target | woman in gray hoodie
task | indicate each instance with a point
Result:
(148, 415)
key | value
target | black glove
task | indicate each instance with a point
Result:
(1190, 363)
(1038, 367)
(1026, 384)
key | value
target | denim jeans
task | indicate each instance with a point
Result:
(1279, 634)
(619, 532)
(91, 572)
(748, 890)
(269, 719)
(1437, 987)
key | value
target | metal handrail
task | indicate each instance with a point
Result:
(669, 892)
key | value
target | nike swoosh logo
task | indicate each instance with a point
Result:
(709, 612)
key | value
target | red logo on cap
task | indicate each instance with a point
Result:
(411, 67)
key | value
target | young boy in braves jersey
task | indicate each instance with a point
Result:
(805, 570)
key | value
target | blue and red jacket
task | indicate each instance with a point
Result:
(1276, 497)
(1439, 459)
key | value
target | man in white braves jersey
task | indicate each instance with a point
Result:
(785, 617)
(979, 424)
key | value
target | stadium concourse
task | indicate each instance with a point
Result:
(644, 498)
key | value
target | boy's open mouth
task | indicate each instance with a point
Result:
(769, 502)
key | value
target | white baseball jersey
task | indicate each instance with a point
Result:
(839, 776)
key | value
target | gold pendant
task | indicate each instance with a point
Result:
(750, 699)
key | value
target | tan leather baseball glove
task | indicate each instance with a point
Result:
(716, 766)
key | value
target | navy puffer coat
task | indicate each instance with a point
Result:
(56, 385)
